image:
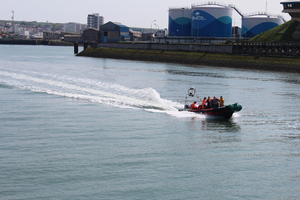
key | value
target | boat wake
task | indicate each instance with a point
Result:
(94, 91)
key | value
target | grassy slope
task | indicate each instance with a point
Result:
(222, 60)
(282, 33)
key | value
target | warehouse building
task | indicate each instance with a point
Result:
(114, 32)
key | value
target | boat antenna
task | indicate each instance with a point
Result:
(192, 92)
(13, 20)
(266, 7)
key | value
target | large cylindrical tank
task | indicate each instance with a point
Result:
(180, 22)
(211, 21)
(256, 24)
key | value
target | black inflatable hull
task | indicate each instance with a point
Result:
(225, 112)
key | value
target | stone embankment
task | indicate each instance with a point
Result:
(196, 58)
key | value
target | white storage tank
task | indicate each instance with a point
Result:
(211, 20)
(180, 22)
(253, 25)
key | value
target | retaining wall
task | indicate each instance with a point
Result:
(172, 47)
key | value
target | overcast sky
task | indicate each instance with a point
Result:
(139, 13)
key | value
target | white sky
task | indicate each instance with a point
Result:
(140, 13)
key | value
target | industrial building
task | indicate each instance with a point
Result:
(94, 21)
(213, 20)
(124, 31)
(114, 32)
(206, 20)
(180, 22)
(293, 8)
(255, 24)
(91, 36)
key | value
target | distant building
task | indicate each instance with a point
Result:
(91, 36)
(71, 37)
(94, 21)
(211, 20)
(160, 33)
(147, 36)
(135, 35)
(124, 31)
(114, 32)
(27, 34)
(143, 30)
(256, 24)
(50, 35)
(74, 27)
(37, 36)
(110, 32)
(293, 8)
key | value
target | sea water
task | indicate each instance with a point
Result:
(87, 128)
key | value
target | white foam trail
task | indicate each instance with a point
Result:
(152, 100)
(146, 94)
(94, 91)
(185, 114)
(236, 115)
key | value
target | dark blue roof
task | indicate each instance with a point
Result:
(295, 2)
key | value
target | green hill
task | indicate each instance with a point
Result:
(287, 32)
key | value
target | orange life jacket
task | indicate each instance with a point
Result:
(222, 102)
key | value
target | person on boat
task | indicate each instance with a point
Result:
(194, 106)
(215, 102)
(222, 101)
(204, 101)
(208, 102)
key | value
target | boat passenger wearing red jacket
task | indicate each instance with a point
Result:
(194, 106)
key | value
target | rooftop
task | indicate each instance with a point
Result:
(291, 1)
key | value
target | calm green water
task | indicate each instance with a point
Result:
(84, 128)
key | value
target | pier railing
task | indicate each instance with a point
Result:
(270, 49)
(281, 49)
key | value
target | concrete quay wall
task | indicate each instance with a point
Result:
(172, 47)
(251, 49)
(197, 58)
